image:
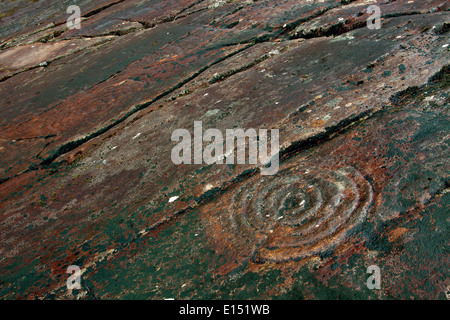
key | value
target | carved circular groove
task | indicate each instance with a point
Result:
(293, 215)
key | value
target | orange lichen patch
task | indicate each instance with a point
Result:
(395, 234)
(346, 249)
(318, 123)
(172, 58)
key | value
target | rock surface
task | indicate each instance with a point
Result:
(86, 176)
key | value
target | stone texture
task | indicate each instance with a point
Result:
(85, 145)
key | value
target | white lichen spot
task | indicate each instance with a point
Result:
(217, 4)
(212, 112)
(274, 52)
(136, 136)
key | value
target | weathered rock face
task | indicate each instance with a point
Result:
(87, 179)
